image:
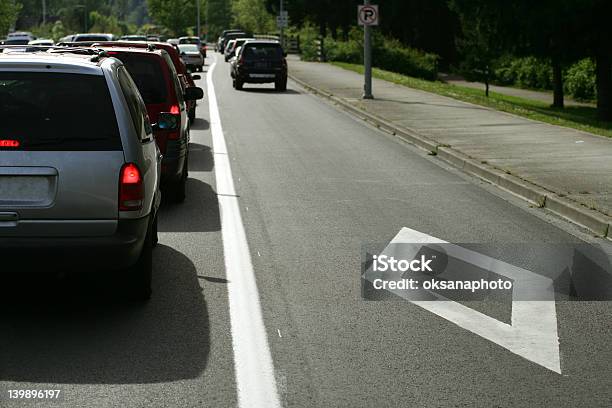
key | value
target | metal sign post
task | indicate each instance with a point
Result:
(198, 19)
(367, 15)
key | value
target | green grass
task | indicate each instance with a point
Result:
(576, 117)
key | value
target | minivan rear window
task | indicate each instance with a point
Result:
(57, 111)
(147, 73)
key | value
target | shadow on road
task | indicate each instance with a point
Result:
(270, 91)
(200, 124)
(199, 212)
(77, 330)
(200, 157)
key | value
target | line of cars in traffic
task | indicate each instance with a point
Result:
(93, 134)
(253, 60)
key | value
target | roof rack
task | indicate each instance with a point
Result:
(96, 53)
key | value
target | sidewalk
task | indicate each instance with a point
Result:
(565, 170)
(542, 96)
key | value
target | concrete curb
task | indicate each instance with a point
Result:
(591, 219)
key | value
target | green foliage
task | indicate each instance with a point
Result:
(252, 16)
(580, 80)
(308, 37)
(536, 73)
(58, 31)
(392, 56)
(526, 72)
(8, 15)
(387, 53)
(176, 15)
(100, 23)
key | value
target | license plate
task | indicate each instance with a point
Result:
(26, 190)
(262, 75)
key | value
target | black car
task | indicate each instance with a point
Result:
(232, 36)
(260, 62)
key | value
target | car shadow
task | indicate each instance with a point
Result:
(79, 330)
(199, 212)
(200, 157)
(270, 91)
(200, 124)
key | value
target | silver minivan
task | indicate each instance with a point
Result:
(79, 167)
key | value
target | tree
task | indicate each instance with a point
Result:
(251, 15)
(486, 34)
(547, 30)
(8, 15)
(596, 36)
(176, 15)
(99, 23)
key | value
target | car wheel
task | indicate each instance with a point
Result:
(192, 115)
(238, 84)
(177, 190)
(154, 232)
(281, 85)
(139, 275)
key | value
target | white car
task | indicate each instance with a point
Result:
(191, 56)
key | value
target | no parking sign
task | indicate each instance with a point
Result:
(367, 15)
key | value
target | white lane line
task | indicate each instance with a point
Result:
(255, 379)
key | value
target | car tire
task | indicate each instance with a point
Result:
(238, 84)
(177, 190)
(140, 274)
(154, 232)
(192, 115)
(281, 85)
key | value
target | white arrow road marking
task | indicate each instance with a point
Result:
(533, 332)
(255, 379)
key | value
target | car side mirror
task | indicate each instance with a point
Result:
(193, 93)
(166, 121)
(196, 77)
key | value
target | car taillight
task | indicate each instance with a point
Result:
(9, 143)
(174, 134)
(131, 188)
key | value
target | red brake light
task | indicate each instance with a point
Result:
(9, 143)
(174, 109)
(131, 188)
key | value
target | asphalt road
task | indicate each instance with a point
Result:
(313, 184)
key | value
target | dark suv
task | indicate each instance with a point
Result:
(157, 80)
(260, 62)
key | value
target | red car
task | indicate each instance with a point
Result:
(158, 82)
(187, 80)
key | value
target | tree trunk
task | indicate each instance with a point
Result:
(558, 97)
(604, 86)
